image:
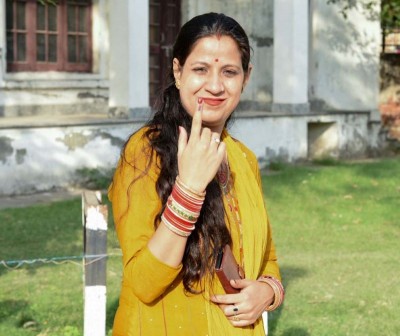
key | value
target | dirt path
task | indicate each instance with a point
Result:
(21, 201)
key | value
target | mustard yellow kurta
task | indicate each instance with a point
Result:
(152, 300)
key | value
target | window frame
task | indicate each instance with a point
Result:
(31, 64)
(387, 31)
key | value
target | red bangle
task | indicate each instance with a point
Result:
(176, 192)
(175, 219)
(182, 211)
(186, 203)
(174, 229)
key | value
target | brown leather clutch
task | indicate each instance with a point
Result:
(227, 268)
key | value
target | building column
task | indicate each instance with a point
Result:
(129, 58)
(291, 53)
(2, 58)
(2, 45)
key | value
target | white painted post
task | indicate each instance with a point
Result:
(265, 321)
(95, 217)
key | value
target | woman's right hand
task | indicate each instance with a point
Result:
(199, 157)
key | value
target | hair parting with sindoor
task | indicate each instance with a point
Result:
(211, 231)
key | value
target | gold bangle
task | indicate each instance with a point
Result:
(186, 188)
(278, 289)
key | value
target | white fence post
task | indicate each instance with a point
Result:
(94, 217)
(265, 321)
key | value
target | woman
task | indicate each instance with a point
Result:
(183, 189)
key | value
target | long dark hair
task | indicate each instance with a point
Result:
(211, 232)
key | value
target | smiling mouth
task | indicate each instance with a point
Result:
(213, 101)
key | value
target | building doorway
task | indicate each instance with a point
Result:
(164, 21)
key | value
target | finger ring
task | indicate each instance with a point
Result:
(235, 309)
(235, 318)
(217, 140)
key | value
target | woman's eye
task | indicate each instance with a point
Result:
(230, 73)
(200, 70)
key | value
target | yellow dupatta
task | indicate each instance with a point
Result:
(255, 233)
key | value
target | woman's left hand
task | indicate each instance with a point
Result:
(244, 308)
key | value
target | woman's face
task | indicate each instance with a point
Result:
(212, 71)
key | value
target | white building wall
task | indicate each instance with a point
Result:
(139, 56)
(291, 22)
(119, 57)
(344, 65)
(273, 138)
(286, 138)
(129, 58)
(45, 158)
(2, 45)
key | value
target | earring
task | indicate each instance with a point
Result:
(178, 84)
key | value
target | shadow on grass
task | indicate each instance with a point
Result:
(289, 273)
(11, 308)
(30, 268)
(295, 332)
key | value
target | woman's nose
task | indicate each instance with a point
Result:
(214, 84)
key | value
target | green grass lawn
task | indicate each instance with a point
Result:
(48, 297)
(336, 228)
(337, 231)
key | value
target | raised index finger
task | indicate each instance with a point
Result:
(197, 121)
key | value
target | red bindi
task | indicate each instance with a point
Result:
(216, 60)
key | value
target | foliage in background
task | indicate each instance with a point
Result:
(389, 11)
(93, 178)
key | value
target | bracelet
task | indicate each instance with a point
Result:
(278, 289)
(172, 217)
(182, 211)
(186, 200)
(190, 190)
(174, 229)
